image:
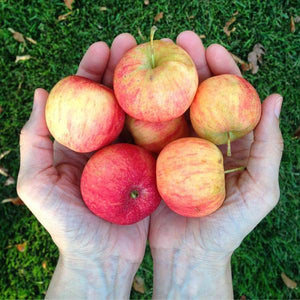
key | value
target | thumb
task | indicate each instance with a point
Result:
(36, 147)
(266, 150)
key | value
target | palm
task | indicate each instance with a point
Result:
(49, 177)
(70, 222)
(250, 194)
(222, 231)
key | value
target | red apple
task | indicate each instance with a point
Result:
(155, 84)
(225, 108)
(82, 114)
(118, 184)
(190, 177)
(155, 136)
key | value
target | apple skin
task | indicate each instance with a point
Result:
(82, 114)
(155, 94)
(109, 178)
(225, 104)
(190, 177)
(155, 136)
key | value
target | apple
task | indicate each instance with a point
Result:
(190, 176)
(118, 184)
(82, 114)
(155, 81)
(155, 136)
(225, 108)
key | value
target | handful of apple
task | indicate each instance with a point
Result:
(155, 83)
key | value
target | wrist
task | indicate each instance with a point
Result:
(187, 274)
(181, 256)
(78, 277)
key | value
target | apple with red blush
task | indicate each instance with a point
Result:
(118, 184)
(154, 136)
(155, 81)
(226, 107)
(190, 177)
(82, 114)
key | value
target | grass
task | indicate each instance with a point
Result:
(273, 246)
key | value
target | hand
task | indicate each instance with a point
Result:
(49, 184)
(204, 245)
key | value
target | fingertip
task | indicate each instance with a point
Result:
(40, 93)
(220, 61)
(124, 39)
(98, 48)
(272, 98)
(272, 105)
(187, 35)
(94, 61)
(192, 44)
(268, 126)
(120, 45)
(166, 40)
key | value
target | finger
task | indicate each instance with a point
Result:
(94, 62)
(121, 44)
(220, 61)
(167, 40)
(192, 44)
(36, 148)
(266, 150)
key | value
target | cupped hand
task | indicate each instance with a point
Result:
(250, 194)
(49, 177)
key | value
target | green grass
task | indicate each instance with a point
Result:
(273, 247)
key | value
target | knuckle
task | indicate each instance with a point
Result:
(280, 143)
(274, 196)
(24, 133)
(24, 130)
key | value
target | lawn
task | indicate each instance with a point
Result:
(273, 246)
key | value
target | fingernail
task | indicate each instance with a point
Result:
(277, 107)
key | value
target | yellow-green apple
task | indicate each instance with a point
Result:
(154, 136)
(82, 114)
(225, 108)
(118, 184)
(155, 81)
(190, 176)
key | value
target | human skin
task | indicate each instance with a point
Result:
(225, 106)
(160, 93)
(97, 259)
(154, 136)
(191, 256)
(82, 114)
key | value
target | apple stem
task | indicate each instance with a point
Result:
(228, 144)
(134, 194)
(234, 170)
(153, 29)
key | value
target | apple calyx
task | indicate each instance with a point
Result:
(134, 194)
(152, 32)
(234, 170)
(228, 144)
